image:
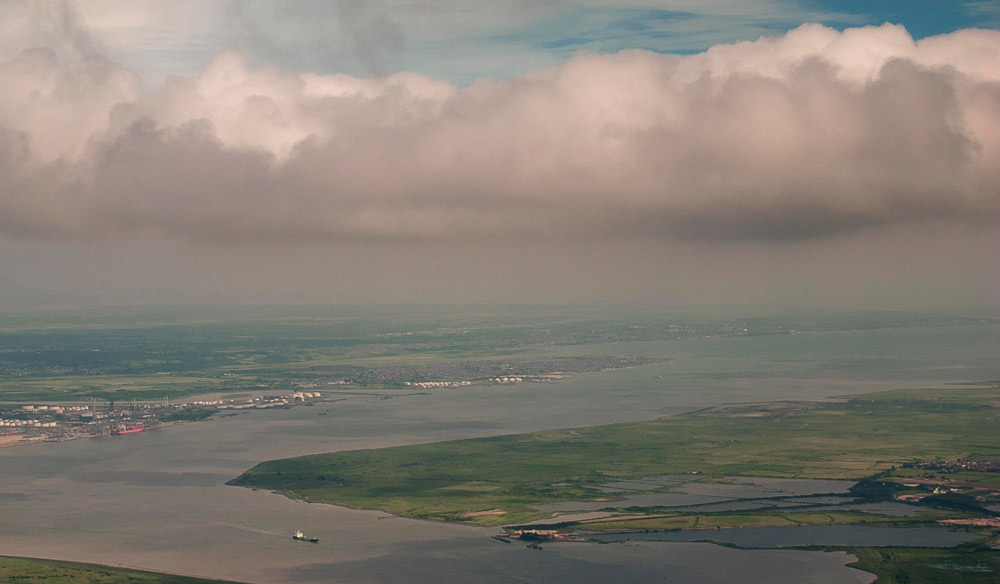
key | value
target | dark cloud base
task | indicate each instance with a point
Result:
(816, 134)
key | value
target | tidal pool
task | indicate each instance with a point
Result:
(804, 535)
(759, 488)
(686, 494)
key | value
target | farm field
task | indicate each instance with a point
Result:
(146, 354)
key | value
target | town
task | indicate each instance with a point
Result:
(55, 422)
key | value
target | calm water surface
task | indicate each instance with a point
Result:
(157, 500)
(778, 537)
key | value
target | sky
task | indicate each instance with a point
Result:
(811, 152)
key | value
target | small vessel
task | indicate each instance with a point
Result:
(302, 537)
(137, 427)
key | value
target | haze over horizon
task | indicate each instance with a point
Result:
(772, 152)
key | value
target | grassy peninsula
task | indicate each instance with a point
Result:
(496, 480)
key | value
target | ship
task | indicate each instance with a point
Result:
(302, 537)
(137, 427)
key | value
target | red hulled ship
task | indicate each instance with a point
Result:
(137, 427)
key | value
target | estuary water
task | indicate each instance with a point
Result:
(157, 500)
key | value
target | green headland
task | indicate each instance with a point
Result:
(499, 480)
(934, 449)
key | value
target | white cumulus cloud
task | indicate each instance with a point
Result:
(813, 134)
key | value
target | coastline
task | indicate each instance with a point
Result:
(12, 440)
(125, 570)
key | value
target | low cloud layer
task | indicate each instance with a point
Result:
(815, 134)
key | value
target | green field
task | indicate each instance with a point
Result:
(147, 353)
(78, 388)
(859, 437)
(33, 571)
(927, 566)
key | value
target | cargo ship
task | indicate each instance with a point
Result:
(302, 537)
(138, 427)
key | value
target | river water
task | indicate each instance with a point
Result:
(157, 500)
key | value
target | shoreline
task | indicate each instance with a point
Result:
(12, 441)
(121, 567)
